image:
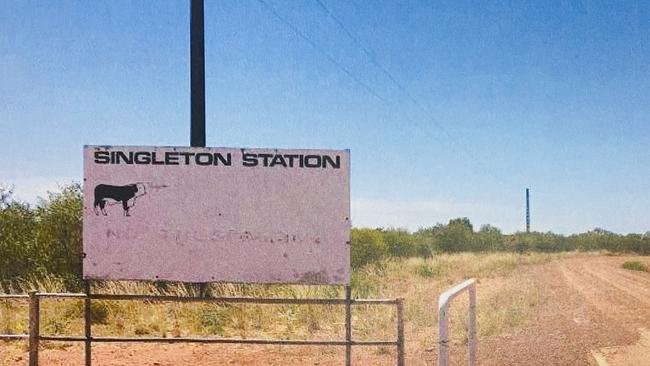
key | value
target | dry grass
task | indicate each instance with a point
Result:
(501, 304)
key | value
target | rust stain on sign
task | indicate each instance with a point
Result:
(320, 277)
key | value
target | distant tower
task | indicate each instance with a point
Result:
(527, 210)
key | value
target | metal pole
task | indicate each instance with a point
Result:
(34, 327)
(471, 327)
(400, 332)
(348, 325)
(197, 81)
(527, 211)
(87, 324)
(197, 74)
(443, 351)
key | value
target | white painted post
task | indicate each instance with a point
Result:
(471, 326)
(443, 322)
(443, 326)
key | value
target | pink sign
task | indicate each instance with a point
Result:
(216, 214)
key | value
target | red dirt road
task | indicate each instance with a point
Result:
(591, 303)
(590, 306)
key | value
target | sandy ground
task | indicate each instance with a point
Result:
(591, 304)
(592, 309)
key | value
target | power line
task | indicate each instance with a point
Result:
(373, 59)
(329, 57)
(363, 48)
(336, 63)
(451, 140)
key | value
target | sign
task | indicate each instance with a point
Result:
(216, 214)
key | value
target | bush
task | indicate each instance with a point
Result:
(489, 238)
(366, 246)
(17, 226)
(58, 234)
(400, 243)
(42, 240)
(457, 236)
(635, 266)
(426, 245)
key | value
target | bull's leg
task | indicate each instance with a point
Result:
(102, 207)
(125, 206)
(95, 204)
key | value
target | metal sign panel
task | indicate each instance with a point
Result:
(216, 214)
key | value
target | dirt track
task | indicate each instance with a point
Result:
(591, 303)
(591, 306)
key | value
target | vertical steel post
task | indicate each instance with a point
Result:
(197, 89)
(527, 210)
(443, 336)
(471, 327)
(34, 327)
(87, 326)
(400, 332)
(197, 74)
(348, 325)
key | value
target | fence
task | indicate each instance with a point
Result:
(443, 322)
(35, 337)
(13, 337)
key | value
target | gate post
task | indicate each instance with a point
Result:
(443, 322)
(471, 326)
(443, 336)
(400, 332)
(34, 327)
(87, 326)
(348, 325)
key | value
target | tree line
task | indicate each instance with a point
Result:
(459, 235)
(45, 239)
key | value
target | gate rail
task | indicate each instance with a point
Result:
(443, 321)
(35, 337)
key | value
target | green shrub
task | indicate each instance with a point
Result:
(426, 245)
(400, 243)
(635, 266)
(17, 224)
(457, 236)
(489, 238)
(58, 233)
(366, 246)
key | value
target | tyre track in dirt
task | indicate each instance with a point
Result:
(630, 289)
(620, 296)
(590, 303)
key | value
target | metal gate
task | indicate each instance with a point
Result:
(35, 337)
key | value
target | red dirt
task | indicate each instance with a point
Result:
(590, 305)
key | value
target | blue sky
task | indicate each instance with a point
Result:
(493, 97)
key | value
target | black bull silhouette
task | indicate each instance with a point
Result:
(117, 193)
